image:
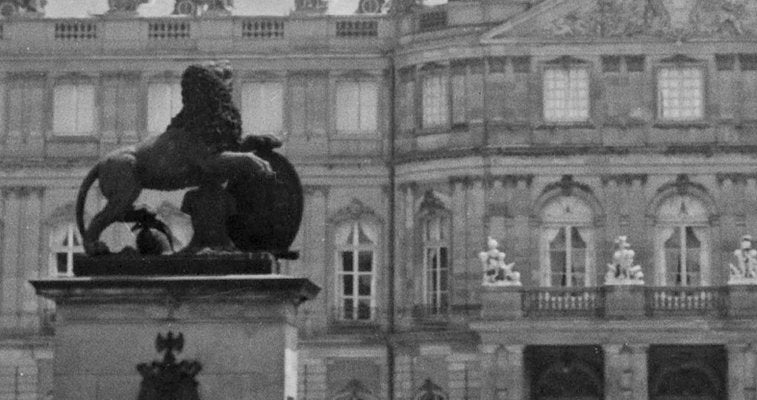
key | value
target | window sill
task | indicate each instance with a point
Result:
(567, 125)
(681, 124)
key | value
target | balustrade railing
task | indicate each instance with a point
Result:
(565, 302)
(685, 300)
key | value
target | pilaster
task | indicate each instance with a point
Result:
(626, 371)
(739, 377)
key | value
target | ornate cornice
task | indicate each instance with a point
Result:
(513, 178)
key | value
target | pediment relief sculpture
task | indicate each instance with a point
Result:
(672, 19)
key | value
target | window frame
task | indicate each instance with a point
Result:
(433, 301)
(173, 82)
(283, 131)
(67, 231)
(566, 64)
(701, 224)
(441, 72)
(77, 83)
(680, 64)
(355, 248)
(359, 81)
(567, 223)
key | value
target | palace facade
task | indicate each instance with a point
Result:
(419, 131)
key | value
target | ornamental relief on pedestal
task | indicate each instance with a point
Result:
(664, 18)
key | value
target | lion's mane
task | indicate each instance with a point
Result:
(208, 111)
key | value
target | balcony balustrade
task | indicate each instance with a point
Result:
(619, 302)
(563, 302)
(112, 34)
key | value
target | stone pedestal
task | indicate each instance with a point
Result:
(501, 302)
(742, 299)
(239, 328)
(624, 301)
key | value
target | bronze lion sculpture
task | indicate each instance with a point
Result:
(203, 140)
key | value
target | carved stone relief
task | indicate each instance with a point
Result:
(677, 19)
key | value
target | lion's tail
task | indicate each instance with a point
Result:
(81, 198)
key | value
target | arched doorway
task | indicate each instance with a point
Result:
(566, 373)
(687, 373)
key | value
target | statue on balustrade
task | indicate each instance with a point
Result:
(249, 194)
(622, 271)
(496, 271)
(745, 270)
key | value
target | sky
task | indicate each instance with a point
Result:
(154, 8)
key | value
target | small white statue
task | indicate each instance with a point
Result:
(745, 270)
(622, 271)
(496, 271)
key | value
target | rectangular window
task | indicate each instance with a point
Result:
(467, 93)
(680, 94)
(25, 109)
(119, 107)
(163, 103)
(73, 109)
(355, 271)
(566, 94)
(435, 265)
(308, 105)
(356, 107)
(683, 257)
(64, 243)
(568, 258)
(263, 108)
(434, 100)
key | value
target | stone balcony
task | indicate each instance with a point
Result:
(619, 302)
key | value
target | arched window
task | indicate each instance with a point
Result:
(682, 242)
(65, 241)
(436, 263)
(567, 243)
(430, 391)
(356, 243)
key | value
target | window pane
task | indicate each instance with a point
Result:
(566, 95)
(443, 258)
(364, 310)
(680, 94)
(368, 106)
(61, 263)
(347, 107)
(475, 97)
(262, 108)
(365, 261)
(364, 285)
(347, 261)
(64, 109)
(558, 259)
(348, 285)
(434, 101)
(159, 106)
(85, 109)
(348, 309)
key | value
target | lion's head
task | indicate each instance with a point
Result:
(208, 111)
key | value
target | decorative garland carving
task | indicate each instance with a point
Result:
(630, 18)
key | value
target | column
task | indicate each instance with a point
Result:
(314, 253)
(9, 268)
(29, 259)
